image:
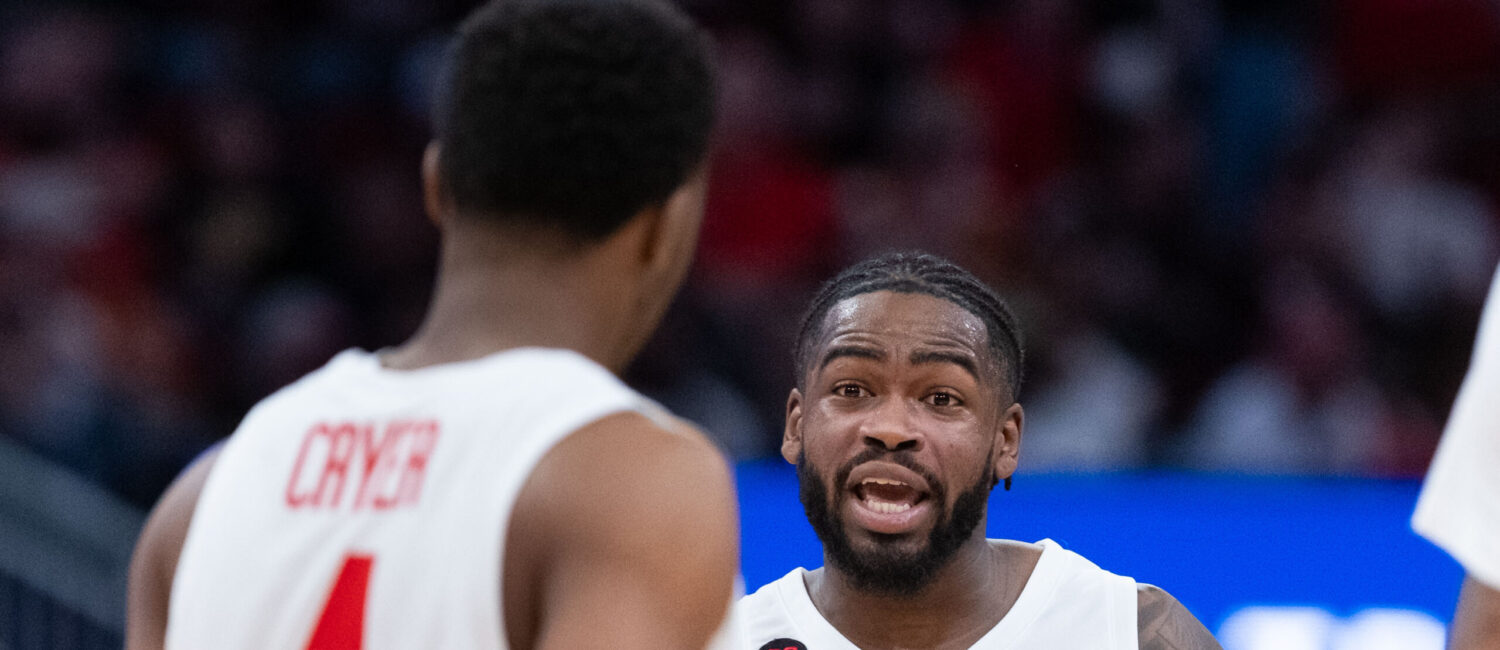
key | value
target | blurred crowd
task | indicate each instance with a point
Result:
(1241, 235)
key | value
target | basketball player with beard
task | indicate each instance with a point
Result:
(903, 419)
(490, 483)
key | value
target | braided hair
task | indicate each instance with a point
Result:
(923, 273)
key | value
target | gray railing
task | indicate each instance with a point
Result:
(65, 548)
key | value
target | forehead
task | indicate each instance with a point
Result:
(903, 318)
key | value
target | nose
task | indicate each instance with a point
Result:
(890, 427)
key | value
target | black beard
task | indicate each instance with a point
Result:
(889, 571)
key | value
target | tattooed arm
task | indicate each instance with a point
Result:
(1164, 624)
(1476, 622)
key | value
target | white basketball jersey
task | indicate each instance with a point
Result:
(1068, 602)
(1459, 509)
(362, 507)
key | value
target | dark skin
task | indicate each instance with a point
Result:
(585, 573)
(915, 373)
(1476, 621)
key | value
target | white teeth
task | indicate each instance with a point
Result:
(885, 507)
(880, 505)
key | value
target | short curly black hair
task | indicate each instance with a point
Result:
(924, 273)
(572, 115)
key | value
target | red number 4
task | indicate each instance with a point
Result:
(342, 624)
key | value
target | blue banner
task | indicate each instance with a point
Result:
(1264, 562)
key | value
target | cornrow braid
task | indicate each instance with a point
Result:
(924, 273)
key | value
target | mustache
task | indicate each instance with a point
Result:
(903, 458)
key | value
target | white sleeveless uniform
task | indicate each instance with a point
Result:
(362, 507)
(1459, 509)
(1068, 602)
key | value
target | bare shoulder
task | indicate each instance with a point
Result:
(1164, 624)
(626, 519)
(629, 454)
(631, 479)
(154, 562)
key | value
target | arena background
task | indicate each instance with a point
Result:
(1248, 242)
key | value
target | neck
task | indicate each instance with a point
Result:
(491, 298)
(964, 601)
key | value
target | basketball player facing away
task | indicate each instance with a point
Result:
(489, 483)
(1459, 509)
(903, 419)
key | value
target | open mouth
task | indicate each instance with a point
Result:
(887, 496)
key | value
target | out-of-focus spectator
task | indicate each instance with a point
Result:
(1303, 402)
(1249, 235)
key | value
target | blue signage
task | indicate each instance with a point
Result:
(1264, 562)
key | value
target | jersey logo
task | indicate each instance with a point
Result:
(383, 467)
(784, 644)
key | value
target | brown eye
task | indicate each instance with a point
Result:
(848, 390)
(943, 399)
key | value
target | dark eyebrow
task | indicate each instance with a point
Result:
(856, 351)
(944, 356)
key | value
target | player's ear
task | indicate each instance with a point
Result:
(433, 200)
(1008, 442)
(791, 437)
(672, 231)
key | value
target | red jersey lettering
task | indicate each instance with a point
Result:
(380, 459)
(424, 438)
(387, 460)
(295, 498)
